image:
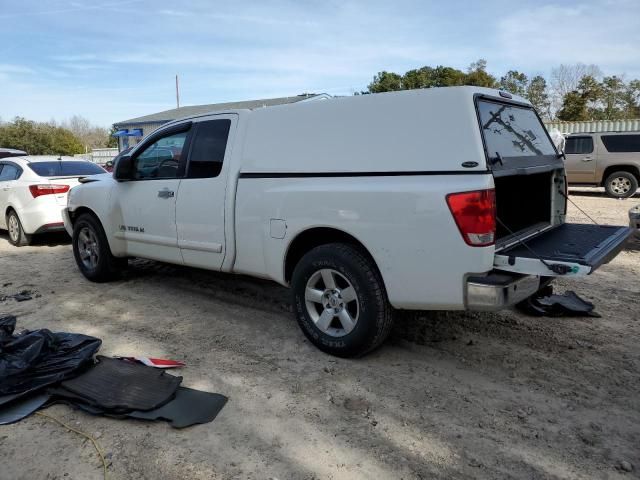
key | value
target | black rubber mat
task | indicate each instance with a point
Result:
(119, 385)
(189, 407)
(567, 305)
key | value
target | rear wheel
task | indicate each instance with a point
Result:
(340, 301)
(621, 184)
(17, 237)
(91, 251)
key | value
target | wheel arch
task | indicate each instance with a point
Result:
(632, 169)
(114, 245)
(9, 209)
(73, 216)
(313, 237)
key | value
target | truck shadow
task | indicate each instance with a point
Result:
(441, 329)
(43, 240)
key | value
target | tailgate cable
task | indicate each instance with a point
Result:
(575, 205)
(557, 268)
(561, 192)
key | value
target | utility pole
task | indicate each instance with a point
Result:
(177, 93)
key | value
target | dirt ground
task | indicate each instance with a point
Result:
(451, 395)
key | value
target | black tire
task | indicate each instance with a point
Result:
(375, 315)
(107, 267)
(17, 237)
(616, 184)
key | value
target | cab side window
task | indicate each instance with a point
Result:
(161, 159)
(578, 145)
(208, 148)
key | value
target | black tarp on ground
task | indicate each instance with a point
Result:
(63, 363)
(35, 359)
(547, 304)
(119, 386)
(17, 410)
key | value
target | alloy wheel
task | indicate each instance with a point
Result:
(88, 248)
(332, 302)
(620, 185)
(14, 228)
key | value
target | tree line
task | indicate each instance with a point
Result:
(573, 92)
(77, 135)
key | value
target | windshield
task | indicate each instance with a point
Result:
(512, 131)
(65, 169)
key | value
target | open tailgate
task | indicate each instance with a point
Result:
(569, 249)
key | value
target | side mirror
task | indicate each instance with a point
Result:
(123, 169)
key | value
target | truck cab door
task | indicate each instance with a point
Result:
(144, 206)
(200, 206)
(581, 161)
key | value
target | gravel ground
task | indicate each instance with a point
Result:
(451, 395)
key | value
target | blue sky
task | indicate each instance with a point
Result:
(110, 60)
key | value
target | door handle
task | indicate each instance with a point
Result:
(586, 159)
(166, 193)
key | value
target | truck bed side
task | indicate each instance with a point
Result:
(402, 221)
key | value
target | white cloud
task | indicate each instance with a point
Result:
(9, 68)
(598, 33)
(101, 105)
(71, 8)
(82, 57)
(110, 60)
(175, 13)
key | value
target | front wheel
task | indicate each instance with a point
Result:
(340, 300)
(621, 184)
(91, 251)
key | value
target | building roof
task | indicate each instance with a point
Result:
(182, 112)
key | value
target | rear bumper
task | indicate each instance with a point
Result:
(40, 219)
(497, 290)
(50, 227)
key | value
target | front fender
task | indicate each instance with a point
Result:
(95, 198)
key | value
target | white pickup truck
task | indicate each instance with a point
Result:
(438, 199)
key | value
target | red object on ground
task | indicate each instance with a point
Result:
(155, 362)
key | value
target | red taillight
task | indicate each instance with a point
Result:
(475, 216)
(39, 190)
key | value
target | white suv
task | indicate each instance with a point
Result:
(33, 192)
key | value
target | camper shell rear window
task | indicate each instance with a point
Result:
(515, 138)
